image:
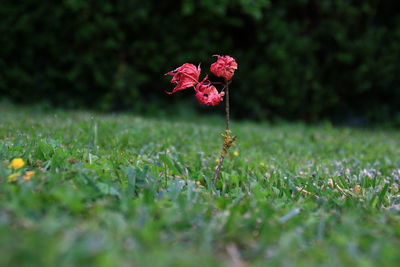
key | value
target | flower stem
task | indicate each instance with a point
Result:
(227, 106)
(228, 139)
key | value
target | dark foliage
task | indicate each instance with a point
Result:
(298, 59)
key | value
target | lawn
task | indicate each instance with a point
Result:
(123, 190)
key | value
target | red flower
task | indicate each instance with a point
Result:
(225, 67)
(184, 77)
(207, 94)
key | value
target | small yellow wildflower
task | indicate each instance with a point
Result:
(28, 175)
(235, 153)
(262, 164)
(13, 177)
(357, 188)
(199, 184)
(16, 164)
(216, 160)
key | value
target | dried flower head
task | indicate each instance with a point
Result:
(224, 67)
(184, 77)
(207, 94)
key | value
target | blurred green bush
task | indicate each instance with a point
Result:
(298, 59)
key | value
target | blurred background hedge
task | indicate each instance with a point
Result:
(298, 59)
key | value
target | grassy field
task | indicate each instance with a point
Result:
(123, 190)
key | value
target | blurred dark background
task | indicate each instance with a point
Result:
(298, 59)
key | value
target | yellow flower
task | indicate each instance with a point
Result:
(28, 175)
(216, 160)
(236, 153)
(357, 188)
(199, 184)
(16, 164)
(13, 177)
(262, 164)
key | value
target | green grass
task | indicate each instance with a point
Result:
(122, 190)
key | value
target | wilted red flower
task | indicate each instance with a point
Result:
(184, 77)
(207, 94)
(225, 67)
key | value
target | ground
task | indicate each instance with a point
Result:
(123, 190)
